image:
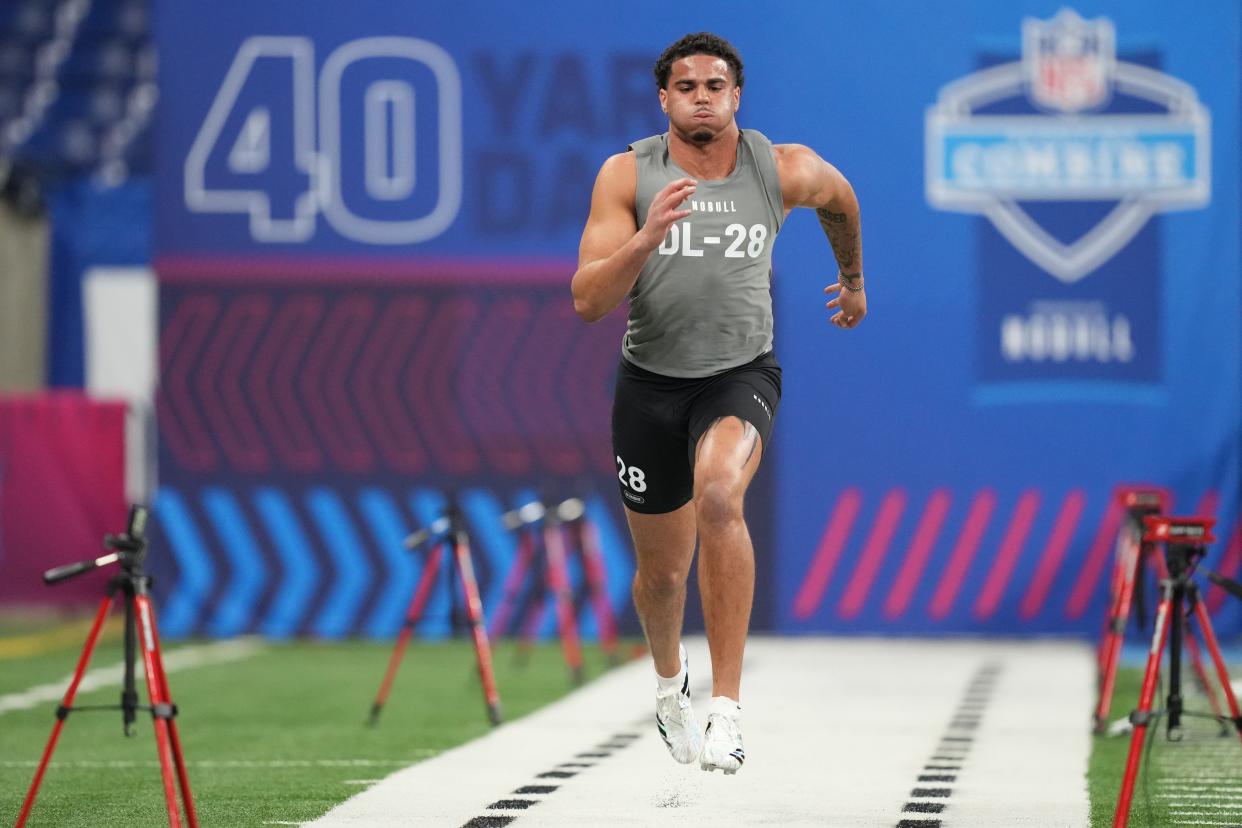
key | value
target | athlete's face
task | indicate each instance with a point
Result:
(701, 98)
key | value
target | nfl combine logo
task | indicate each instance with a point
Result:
(1068, 152)
(1069, 62)
(986, 163)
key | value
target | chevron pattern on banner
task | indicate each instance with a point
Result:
(958, 560)
(308, 425)
(330, 563)
(439, 382)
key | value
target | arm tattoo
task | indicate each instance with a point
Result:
(845, 237)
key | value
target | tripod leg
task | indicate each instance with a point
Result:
(1127, 572)
(558, 582)
(474, 611)
(1209, 640)
(161, 677)
(92, 638)
(1121, 552)
(161, 708)
(412, 614)
(535, 604)
(1142, 714)
(1196, 660)
(597, 580)
(530, 628)
(513, 585)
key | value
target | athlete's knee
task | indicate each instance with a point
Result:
(658, 582)
(717, 504)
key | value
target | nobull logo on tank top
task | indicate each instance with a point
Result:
(1069, 154)
(712, 206)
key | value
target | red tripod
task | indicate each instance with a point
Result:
(1133, 555)
(443, 532)
(130, 549)
(561, 530)
(1186, 541)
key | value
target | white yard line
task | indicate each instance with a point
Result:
(182, 658)
(837, 732)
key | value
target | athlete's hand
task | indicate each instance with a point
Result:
(666, 208)
(851, 306)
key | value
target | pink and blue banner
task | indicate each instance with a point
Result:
(367, 220)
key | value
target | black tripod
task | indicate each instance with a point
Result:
(128, 550)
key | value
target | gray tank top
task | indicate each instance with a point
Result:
(703, 302)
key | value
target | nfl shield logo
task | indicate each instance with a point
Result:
(1069, 61)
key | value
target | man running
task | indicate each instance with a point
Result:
(683, 224)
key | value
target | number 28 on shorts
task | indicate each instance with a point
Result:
(632, 477)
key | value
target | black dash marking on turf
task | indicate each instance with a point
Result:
(565, 770)
(952, 748)
(512, 804)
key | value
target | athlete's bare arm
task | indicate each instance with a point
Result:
(613, 248)
(809, 181)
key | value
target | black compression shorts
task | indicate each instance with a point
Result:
(657, 422)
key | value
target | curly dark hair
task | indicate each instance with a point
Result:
(699, 43)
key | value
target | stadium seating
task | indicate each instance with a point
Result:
(77, 88)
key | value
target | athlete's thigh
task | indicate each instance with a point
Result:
(664, 543)
(720, 416)
(728, 457)
(650, 443)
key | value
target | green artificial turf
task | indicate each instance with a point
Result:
(1195, 781)
(281, 736)
(277, 736)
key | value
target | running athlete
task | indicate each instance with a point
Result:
(683, 224)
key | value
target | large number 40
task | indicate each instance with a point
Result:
(256, 151)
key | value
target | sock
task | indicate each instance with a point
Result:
(725, 706)
(671, 685)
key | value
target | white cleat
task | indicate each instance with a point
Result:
(675, 719)
(722, 744)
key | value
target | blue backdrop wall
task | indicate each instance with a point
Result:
(367, 217)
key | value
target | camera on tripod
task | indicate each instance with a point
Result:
(130, 548)
(130, 587)
(134, 542)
